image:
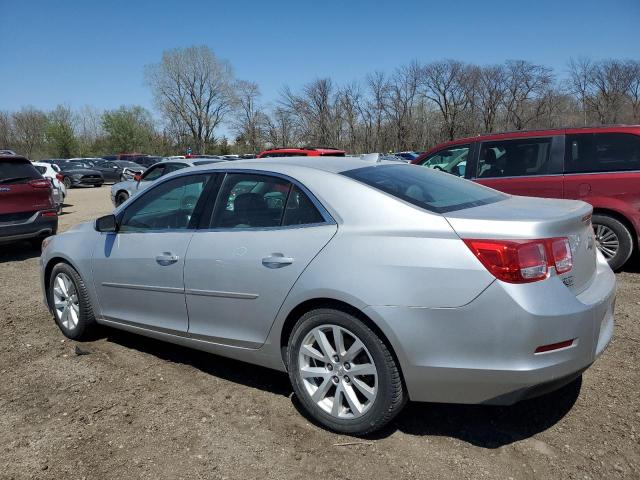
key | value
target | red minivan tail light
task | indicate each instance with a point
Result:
(40, 183)
(522, 261)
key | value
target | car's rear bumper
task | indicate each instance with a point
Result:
(483, 352)
(35, 226)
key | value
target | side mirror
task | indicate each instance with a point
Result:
(137, 177)
(107, 224)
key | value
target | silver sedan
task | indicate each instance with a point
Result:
(369, 283)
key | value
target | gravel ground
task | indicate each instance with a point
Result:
(138, 408)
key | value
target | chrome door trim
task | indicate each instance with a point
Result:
(218, 293)
(150, 288)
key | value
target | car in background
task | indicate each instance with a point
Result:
(77, 173)
(117, 170)
(141, 159)
(302, 152)
(599, 165)
(122, 191)
(407, 155)
(27, 208)
(52, 173)
(7, 152)
(369, 284)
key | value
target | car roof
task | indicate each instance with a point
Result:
(279, 164)
(13, 158)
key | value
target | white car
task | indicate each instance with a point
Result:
(50, 172)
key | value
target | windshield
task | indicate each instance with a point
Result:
(72, 165)
(433, 191)
(125, 164)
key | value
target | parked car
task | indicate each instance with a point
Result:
(370, 284)
(118, 170)
(78, 173)
(598, 165)
(407, 155)
(122, 191)
(7, 152)
(302, 152)
(27, 209)
(52, 173)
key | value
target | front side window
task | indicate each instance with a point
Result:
(170, 205)
(430, 190)
(514, 158)
(451, 160)
(602, 152)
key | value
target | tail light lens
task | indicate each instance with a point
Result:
(561, 254)
(40, 183)
(60, 177)
(522, 261)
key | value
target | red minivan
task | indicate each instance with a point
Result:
(27, 207)
(600, 165)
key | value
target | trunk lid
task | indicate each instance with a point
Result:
(536, 218)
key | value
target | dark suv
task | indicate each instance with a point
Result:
(600, 165)
(27, 208)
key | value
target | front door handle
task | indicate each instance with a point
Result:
(276, 260)
(167, 258)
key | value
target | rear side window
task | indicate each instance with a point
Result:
(433, 191)
(17, 172)
(602, 152)
(514, 158)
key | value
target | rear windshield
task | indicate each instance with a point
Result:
(434, 191)
(17, 172)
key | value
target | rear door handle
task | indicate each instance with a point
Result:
(167, 258)
(276, 260)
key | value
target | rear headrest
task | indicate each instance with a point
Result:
(490, 156)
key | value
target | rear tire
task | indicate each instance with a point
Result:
(70, 303)
(67, 182)
(345, 401)
(613, 239)
(97, 185)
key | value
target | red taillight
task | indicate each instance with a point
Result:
(522, 261)
(561, 254)
(40, 183)
(49, 213)
(60, 177)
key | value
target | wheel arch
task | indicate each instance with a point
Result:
(622, 219)
(326, 302)
(51, 263)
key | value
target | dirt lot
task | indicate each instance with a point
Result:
(137, 408)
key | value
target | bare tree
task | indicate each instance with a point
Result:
(280, 128)
(249, 121)
(633, 88)
(402, 94)
(29, 127)
(7, 137)
(444, 83)
(192, 86)
(527, 84)
(490, 88)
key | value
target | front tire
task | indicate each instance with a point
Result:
(70, 303)
(67, 182)
(343, 373)
(613, 239)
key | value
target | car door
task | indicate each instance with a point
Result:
(138, 271)
(107, 169)
(530, 166)
(264, 231)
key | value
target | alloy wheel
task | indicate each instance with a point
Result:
(65, 301)
(337, 371)
(607, 241)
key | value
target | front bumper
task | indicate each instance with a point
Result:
(483, 352)
(75, 182)
(34, 227)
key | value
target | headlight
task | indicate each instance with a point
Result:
(46, 242)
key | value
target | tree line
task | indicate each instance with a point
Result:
(412, 108)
